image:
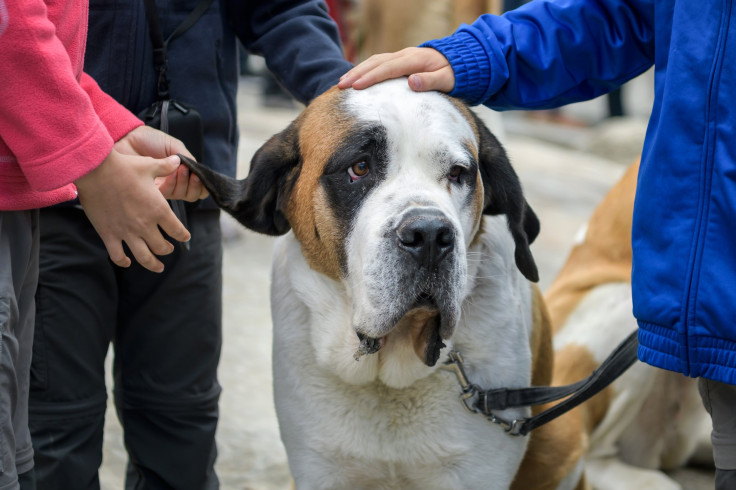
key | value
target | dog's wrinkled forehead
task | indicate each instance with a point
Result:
(416, 124)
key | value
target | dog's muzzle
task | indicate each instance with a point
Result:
(420, 268)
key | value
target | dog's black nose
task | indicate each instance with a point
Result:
(427, 235)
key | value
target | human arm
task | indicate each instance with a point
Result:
(298, 40)
(49, 124)
(547, 53)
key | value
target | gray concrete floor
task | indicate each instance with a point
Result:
(565, 172)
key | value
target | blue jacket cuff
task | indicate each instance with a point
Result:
(470, 64)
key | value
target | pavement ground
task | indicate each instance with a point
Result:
(565, 171)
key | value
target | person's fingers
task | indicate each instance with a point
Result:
(408, 61)
(181, 183)
(166, 178)
(143, 254)
(195, 190)
(380, 67)
(176, 146)
(116, 252)
(148, 141)
(124, 205)
(157, 244)
(355, 73)
(393, 68)
(166, 185)
(173, 227)
(442, 80)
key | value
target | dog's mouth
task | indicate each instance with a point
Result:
(420, 325)
(368, 345)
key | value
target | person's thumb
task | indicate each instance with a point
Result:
(442, 80)
(166, 166)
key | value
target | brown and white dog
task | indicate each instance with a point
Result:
(648, 419)
(405, 235)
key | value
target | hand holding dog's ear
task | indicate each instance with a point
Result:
(148, 141)
(124, 205)
(258, 201)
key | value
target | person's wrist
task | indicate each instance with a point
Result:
(86, 180)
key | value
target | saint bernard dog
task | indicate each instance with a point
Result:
(404, 236)
(648, 420)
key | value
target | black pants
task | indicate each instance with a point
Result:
(166, 333)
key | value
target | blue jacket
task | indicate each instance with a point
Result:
(297, 38)
(550, 53)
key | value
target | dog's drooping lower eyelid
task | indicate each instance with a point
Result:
(358, 170)
(456, 172)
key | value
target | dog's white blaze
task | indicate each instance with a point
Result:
(425, 139)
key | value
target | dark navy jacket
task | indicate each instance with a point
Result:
(297, 38)
(549, 53)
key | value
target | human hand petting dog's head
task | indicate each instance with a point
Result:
(426, 68)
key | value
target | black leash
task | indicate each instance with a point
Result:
(486, 402)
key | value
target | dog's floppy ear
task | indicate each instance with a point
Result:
(257, 201)
(503, 195)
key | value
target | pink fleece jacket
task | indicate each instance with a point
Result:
(56, 124)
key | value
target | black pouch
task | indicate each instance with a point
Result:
(180, 120)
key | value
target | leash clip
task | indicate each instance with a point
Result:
(454, 364)
(511, 427)
(470, 395)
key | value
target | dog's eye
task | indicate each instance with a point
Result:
(455, 173)
(358, 171)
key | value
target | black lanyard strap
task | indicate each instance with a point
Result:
(160, 60)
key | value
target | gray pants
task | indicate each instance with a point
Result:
(720, 402)
(19, 240)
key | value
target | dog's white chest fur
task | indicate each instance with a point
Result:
(344, 428)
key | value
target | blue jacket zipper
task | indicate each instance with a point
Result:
(707, 162)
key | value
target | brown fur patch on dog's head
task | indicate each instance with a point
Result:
(321, 129)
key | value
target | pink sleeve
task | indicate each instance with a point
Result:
(118, 120)
(47, 120)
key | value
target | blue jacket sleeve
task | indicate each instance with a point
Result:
(298, 39)
(548, 53)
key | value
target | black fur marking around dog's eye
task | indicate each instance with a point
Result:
(366, 144)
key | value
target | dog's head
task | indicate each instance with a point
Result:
(385, 189)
